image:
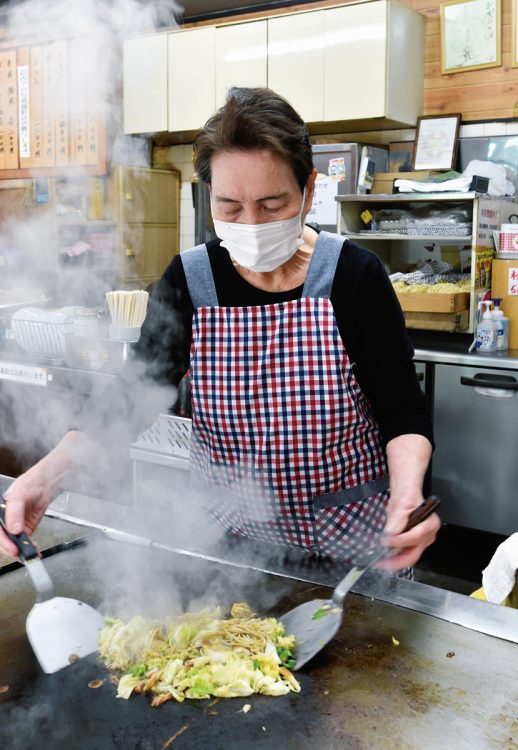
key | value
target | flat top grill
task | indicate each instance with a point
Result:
(443, 686)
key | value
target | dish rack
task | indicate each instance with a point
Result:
(43, 332)
(166, 443)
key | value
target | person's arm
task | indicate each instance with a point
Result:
(28, 496)
(408, 457)
(113, 420)
(373, 330)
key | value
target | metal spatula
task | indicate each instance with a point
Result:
(60, 630)
(316, 622)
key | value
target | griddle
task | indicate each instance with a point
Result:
(443, 686)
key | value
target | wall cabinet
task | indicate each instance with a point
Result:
(336, 65)
(408, 229)
(240, 58)
(145, 84)
(296, 61)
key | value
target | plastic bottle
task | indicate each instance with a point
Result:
(487, 331)
(502, 340)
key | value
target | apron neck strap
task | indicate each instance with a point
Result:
(322, 267)
(198, 273)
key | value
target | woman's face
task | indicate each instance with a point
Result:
(254, 187)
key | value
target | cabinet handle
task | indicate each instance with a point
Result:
(128, 196)
(130, 253)
(483, 380)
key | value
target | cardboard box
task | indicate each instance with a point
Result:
(426, 321)
(384, 181)
(504, 284)
(434, 303)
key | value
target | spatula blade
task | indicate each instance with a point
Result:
(313, 624)
(63, 630)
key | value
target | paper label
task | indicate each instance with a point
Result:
(23, 373)
(325, 209)
(512, 282)
(366, 216)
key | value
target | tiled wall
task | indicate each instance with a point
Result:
(181, 158)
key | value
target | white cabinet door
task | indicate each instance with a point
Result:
(355, 61)
(296, 61)
(145, 84)
(240, 57)
(191, 78)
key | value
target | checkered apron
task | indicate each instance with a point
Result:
(282, 431)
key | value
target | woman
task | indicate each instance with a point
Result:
(305, 397)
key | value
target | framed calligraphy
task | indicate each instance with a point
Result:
(436, 142)
(470, 35)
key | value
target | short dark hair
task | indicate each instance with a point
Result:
(255, 118)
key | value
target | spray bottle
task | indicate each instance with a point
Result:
(487, 330)
(502, 322)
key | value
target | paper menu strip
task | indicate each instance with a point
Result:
(36, 107)
(49, 106)
(92, 103)
(62, 104)
(8, 113)
(23, 59)
(78, 113)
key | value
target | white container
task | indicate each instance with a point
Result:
(502, 322)
(487, 332)
(124, 333)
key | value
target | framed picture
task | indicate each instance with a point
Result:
(470, 35)
(514, 40)
(436, 142)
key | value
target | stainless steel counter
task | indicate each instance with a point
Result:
(454, 356)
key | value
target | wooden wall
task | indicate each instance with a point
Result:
(488, 94)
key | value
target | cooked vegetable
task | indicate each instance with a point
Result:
(199, 655)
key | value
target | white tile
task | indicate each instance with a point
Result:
(186, 191)
(187, 209)
(475, 130)
(185, 242)
(511, 128)
(494, 128)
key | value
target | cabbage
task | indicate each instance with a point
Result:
(199, 656)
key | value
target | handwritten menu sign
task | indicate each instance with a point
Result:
(512, 285)
(49, 107)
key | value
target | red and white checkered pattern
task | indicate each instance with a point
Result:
(278, 418)
(509, 241)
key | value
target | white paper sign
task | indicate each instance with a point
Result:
(23, 373)
(512, 282)
(324, 209)
(24, 127)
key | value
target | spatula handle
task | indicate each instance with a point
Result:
(23, 543)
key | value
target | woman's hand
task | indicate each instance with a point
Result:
(408, 458)
(27, 499)
(28, 496)
(405, 548)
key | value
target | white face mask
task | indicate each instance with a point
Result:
(262, 247)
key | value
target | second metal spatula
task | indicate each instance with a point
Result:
(316, 622)
(60, 630)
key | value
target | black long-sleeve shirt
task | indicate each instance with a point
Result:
(368, 315)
